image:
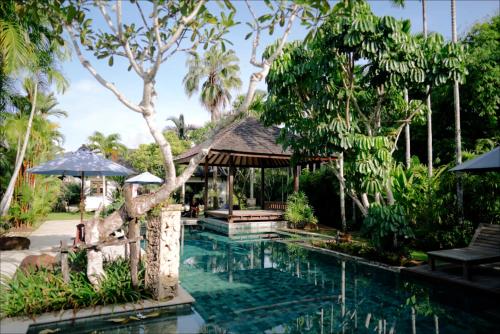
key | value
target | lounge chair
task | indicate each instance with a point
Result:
(484, 248)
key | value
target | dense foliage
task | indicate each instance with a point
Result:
(344, 91)
(29, 50)
(42, 291)
(479, 99)
(147, 158)
(298, 211)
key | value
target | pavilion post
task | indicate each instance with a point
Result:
(231, 186)
(82, 199)
(296, 173)
(205, 195)
(262, 182)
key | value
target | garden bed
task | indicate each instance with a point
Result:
(35, 292)
(365, 251)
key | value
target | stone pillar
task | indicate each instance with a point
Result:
(163, 252)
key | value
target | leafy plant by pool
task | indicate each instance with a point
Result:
(40, 291)
(298, 212)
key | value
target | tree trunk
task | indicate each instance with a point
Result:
(7, 197)
(135, 249)
(342, 193)
(458, 135)
(95, 270)
(162, 258)
(407, 136)
(429, 109)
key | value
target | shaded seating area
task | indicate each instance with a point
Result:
(247, 144)
(484, 248)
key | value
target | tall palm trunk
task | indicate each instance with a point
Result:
(7, 197)
(429, 110)
(407, 135)
(458, 139)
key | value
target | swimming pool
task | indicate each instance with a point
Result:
(275, 287)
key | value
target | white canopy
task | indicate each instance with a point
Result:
(145, 178)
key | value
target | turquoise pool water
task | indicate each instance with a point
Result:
(272, 287)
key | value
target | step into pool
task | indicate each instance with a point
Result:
(264, 286)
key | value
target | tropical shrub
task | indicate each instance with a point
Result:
(298, 211)
(32, 201)
(386, 226)
(431, 209)
(35, 292)
(69, 195)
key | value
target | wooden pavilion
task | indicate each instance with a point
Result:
(245, 144)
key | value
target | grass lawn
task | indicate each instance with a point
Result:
(418, 255)
(67, 215)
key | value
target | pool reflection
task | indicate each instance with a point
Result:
(268, 286)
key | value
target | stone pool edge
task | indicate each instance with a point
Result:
(21, 324)
(348, 257)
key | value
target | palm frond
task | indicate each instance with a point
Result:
(15, 48)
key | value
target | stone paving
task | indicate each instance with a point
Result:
(43, 239)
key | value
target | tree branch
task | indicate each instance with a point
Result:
(256, 77)
(132, 106)
(401, 127)
(282, 42)
(164, 145)
(256, 40)
(124, 41)
(185, 20)
(159, 55)
(107, 18)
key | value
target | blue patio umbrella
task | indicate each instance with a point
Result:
(81, 163)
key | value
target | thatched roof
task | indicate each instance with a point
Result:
(247, 142)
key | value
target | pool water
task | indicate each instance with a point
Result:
(275, 287)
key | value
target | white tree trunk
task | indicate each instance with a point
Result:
(429, 109)
(407, 136)
(162, 262)
(7, 197)
(342, 193)
(458, 132)
(95, 270)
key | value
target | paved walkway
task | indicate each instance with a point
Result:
(43, 239)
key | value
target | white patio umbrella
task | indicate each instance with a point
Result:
(145, 178)
(81, 163)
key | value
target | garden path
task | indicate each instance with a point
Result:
(48, 235)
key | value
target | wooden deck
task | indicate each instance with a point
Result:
(246, 215)
(484, 278)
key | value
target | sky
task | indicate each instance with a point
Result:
(91, 107)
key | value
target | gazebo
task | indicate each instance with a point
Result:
(246, 143)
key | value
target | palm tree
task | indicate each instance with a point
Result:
(220, 72)
(429, 110)
(110, 147)
(180, 127)
(456, 96)
(256, 108)
(34, 56)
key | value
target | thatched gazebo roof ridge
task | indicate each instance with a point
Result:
(248, 143)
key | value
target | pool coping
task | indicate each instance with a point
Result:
(347, 256)
(22, 324)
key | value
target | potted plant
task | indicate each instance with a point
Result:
(298, 211)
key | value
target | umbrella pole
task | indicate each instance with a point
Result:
(82, 200)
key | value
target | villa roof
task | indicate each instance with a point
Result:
(247, 142)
